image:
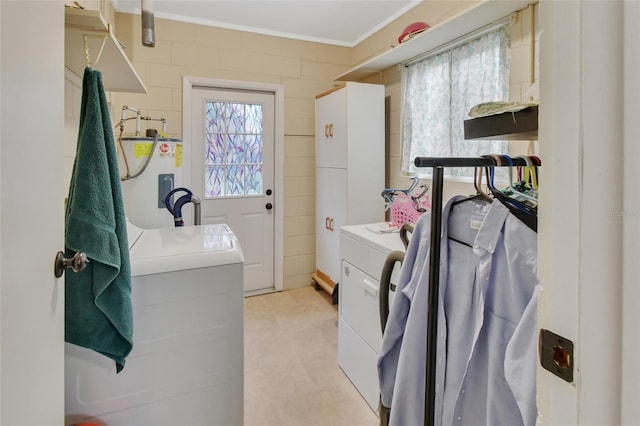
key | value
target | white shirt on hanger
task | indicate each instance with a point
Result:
(486, 354)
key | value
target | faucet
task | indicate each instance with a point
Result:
(197, 213)
(176, 209)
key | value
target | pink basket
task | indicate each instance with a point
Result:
(403, 209)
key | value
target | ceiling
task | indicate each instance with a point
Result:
(337, 22)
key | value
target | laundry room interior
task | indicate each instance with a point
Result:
(267, 200)
(188, 56)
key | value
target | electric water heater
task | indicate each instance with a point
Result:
(147, 181)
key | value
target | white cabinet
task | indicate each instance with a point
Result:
(359, 334)
(349, 169)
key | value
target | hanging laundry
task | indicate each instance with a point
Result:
(487, 307)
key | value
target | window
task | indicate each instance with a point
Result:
(438, 93)
(234, 157)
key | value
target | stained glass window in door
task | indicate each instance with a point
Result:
(234, 150)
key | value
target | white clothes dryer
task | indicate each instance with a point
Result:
(187, 362)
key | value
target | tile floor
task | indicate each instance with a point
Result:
(292, 376)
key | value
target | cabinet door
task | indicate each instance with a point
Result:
(323, 195)
(331, 130)
(331, 195)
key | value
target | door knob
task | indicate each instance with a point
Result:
(269, 206)
(78, 262)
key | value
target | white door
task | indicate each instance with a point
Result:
(32, 211)
(232, 170)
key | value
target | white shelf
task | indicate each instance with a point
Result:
(478, 16)
(118, 75)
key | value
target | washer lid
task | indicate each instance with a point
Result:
(188, 247)
(366, 234)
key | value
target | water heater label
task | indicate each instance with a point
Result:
(178, 155)
(142, 150)
(165, 150)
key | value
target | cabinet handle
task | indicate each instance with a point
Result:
(326, 130)
(331, 130)
(331, 224)
(326, 222)
(370, 287)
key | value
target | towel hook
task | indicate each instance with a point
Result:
(87, 56)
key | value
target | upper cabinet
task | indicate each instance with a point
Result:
(90, 39)
(483, 13)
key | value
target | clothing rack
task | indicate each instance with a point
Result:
(438, 164)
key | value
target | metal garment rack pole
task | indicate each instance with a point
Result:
(434, 289)
(438, 164)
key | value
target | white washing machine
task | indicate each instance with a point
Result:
(186, 366)
(364, 252)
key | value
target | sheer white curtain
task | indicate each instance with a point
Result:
(438, 93)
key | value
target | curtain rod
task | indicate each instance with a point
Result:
(459, 40)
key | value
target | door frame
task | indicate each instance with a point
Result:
(188, 83)
(586, 222)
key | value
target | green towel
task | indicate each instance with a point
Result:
(98, 312)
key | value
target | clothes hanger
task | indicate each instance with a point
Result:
(388, 193)
(512, 188)
(534, 173)
(536, 160)
(524, 213)
(477, 179)
(530, 170)
(478, 185)
(498, 194)
(537, 163)
(418, 199)
(480, 195)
